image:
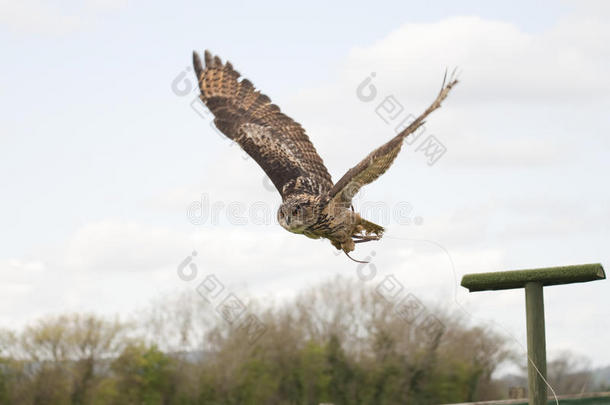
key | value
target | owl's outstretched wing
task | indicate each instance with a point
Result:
(380, 160)
(276, 142)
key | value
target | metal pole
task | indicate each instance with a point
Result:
(536, 343)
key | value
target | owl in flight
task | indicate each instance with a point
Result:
(312, 204)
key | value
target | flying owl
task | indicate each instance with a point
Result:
(312, 204)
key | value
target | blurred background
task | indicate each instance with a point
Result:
(141, 260)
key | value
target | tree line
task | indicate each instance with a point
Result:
(340, 342)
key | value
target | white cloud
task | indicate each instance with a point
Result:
(38, 17)
(112, 246)
(521, 98)
(498, 61)
(18, 275)
(43, 17)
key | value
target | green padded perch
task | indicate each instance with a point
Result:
(533, 281)
(504, 280)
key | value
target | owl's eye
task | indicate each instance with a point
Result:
(281, 214)
(296, 209)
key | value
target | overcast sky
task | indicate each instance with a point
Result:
(106, 162)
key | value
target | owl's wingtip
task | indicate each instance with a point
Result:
(197, 64)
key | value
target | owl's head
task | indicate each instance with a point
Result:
(297, 214)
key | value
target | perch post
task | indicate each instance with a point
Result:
(533, 281)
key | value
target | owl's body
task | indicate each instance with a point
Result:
(317, 217)
(312, 204)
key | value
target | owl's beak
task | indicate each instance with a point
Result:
(287, 218)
